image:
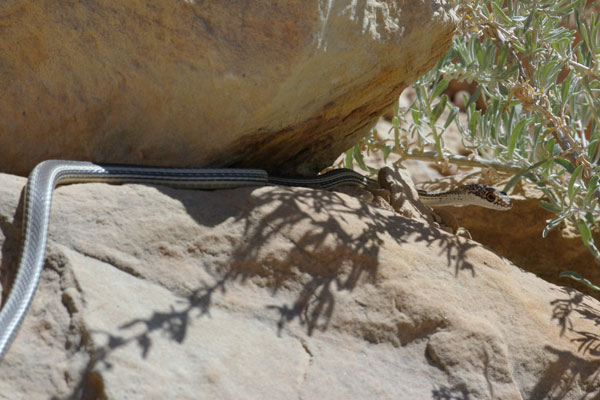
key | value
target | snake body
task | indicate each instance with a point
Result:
(48, 174)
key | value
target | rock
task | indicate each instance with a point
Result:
(150, 292)
(195, 83)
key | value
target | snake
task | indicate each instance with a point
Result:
(45, 176)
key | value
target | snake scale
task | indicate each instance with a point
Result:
(48, 174)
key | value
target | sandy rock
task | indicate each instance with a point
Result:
(196, 83)
(150, 292)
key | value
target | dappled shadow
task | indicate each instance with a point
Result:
(333, 244)
(575, 305)
(333, 255)
(173, 324)
(564, 307)
(568, 370)
(564, 373)
(318, 292)
(446, 393)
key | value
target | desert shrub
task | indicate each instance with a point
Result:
(534, 114)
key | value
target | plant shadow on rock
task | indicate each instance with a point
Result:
(337, 249)
(334, 254)
(566, 367)
(447, 393)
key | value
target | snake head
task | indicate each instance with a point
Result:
(488, 197)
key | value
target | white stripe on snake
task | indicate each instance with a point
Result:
(46, 175)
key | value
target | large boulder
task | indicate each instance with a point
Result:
(150, 292)
(285, 86)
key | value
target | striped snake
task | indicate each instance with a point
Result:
(46, 175)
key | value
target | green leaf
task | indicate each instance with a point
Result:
(566, 88)
(439, 88)
(386, 152)
(591, 189)
(503, 89)
(577, 277)
(566, 9)
(513, 181)
(565, 164)
(555, 208)
(502, 57)
(583, 31)
(451, 116)
(473, 97)
(584, 230)
(396, 136)
(438, 109)
(529, 20)
(518, 47)
(571, 187)
(416, 116)
(594, 34)
(501, 13)
(516, 132)
(589, 217)
(592, 147)
(460, 55)
(420, 97)
(348, 159)
(358, 157)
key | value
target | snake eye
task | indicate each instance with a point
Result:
(491, 197)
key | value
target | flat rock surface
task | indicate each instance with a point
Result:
(198, 83)
(150, 292)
